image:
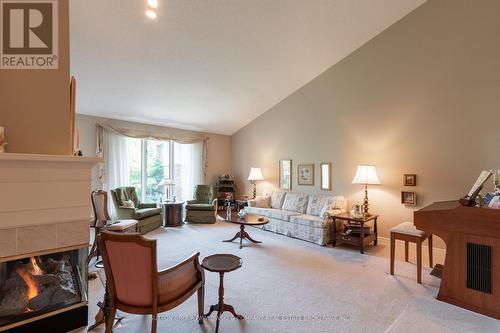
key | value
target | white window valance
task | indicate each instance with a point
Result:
(165, 135)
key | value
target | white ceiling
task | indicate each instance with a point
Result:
(212, 65)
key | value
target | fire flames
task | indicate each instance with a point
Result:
(27, 276)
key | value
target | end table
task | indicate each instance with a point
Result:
(359, 234)
(172, 213)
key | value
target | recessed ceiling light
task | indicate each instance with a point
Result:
(151, 14)
(153, 3)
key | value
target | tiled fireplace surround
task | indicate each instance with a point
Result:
(44, 204)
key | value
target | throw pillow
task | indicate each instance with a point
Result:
(295, 202)
(277, 199)
(315, 204)
(128, 204)
(262, 201)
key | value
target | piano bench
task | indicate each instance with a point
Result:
(407, 232)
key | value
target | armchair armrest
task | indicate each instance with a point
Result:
(147, 205)
(252, 203)
(125, 213)
(192, 202)
(214, 202)
(194, 259)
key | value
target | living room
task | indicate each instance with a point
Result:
(312, 163)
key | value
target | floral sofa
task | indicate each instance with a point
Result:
(298, 215)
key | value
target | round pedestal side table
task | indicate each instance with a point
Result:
(222, 263)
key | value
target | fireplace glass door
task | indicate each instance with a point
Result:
(34, 286)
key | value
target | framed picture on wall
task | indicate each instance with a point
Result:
(285, 172)
(326, 176)
(409, 179)
(409, 198)
(305, 174)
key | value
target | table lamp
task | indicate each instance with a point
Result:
(366, 175)
(255, 174)
(167, 183)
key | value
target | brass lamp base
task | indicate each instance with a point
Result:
(365, 203)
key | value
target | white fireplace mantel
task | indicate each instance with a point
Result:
(44, 203)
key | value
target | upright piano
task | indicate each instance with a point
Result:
(471, 272)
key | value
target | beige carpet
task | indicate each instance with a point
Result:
(287, 285)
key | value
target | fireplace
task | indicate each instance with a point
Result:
(35, 287)
(44, 241)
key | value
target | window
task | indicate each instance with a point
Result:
(152, 161)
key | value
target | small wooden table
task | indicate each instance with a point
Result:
(172, 213)
(248, 219)
(360, 239)
(222, 263)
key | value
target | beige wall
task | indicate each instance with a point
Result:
(422, 97)
(219, 146)
(34, 104)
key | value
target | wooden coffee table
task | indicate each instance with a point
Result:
(222, 263)
(249, 219)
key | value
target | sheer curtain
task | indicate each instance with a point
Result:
(116, 165)
(188, 169)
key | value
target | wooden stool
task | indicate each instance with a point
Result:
(407, 232)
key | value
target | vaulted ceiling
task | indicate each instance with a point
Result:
(212, 65)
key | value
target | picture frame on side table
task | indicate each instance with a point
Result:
(409, 198)
(326, 176)
(410, 179)
(285, 174)
(305, 174)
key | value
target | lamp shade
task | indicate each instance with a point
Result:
(367, 175)
(166, 181)
(255, 174)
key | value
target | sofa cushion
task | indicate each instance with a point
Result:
(146, 212)
(316, 203)
(200, 206)
(277, 199)
(309, 220)
(295, 202)
(272, 213)
(257, 210)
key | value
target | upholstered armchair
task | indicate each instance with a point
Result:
(135, 285)
(147, 214)
(203, 209)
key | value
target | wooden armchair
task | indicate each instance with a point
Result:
(136, 286)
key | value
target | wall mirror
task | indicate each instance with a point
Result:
(285, 171)
(326, 176)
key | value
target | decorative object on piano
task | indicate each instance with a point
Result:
(255, 174)
(77, 151)
(409, 179)
(470, 198)
(496, 180)
(366, 175)
(495, 202)
(2, 140)
(357, 211)
(285, 174)
(409, 198)
(305, 174)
